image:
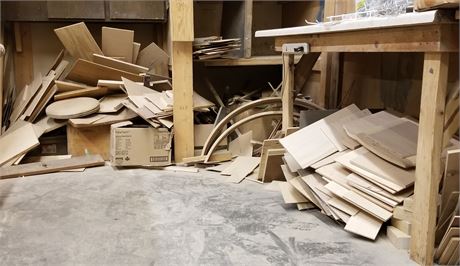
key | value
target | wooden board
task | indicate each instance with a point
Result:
(400, 213)
(451, 181)
(18, 142)
(72, 108)
(240, 168)
(241, 146)
(273, 166)
(77, 39)
(290, 194)
(103, 119)
(403, 225)
(267, 144)
(89, 140)
(398, 238)
(51, 166)
(155, 59)
(181, 15)
(364, 225)
(94, 92)
(24, 97)
(450, 250)
(65, 86)
(111, 103)
(119, 64)
(118, 43)
(87, 72)
(47, 84)
(136, 49)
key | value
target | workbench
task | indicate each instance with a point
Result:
(435, 33)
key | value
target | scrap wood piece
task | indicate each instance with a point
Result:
(288, 175)
(155, 59)
(48, 124)
(176, 168)
(56, 61)
(47, 84)
(111, 103)
(118, 43)
(24, 98)
(119, 64)
(87, 72)
(219, 168)
(450, 251)
(290, 194)
(72, 108)
(136, 49)
(103, 119)
(451, 233)
(301, 186)
(403, 225)
(291, 163)
(272, 166)
(335, 172)
(42, 104)
(303, 70)
(357, 182)
(267, 144)
(51, 166)
(77, 39)
(359, 201)
(94, 92)
(342, 205)
(364, 225)
(18, 142)
(65, 86)
(240, 168)
(316, 184)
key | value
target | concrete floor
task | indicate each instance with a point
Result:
(147, 217)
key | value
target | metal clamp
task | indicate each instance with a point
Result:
(295, 48)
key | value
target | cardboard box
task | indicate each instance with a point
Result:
(139, 145)
(89, 140)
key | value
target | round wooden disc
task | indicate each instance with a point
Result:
(72, 108)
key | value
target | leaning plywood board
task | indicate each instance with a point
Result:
(451, 232)
(398, 238)
(359, 201)
(47, 84)
(155, 59)
(24, 97)
(119, 64)
(335, 172)
(50, 166)
(78, 41)
(94, 92)
(241, 146)
(450, 251)
(403, 225)
(241, 167)
(17, 142)
(364, 225)
(136, 49)
(89, 73)
(451, 176)
(103, 119)
(65, 86)
(328, 160)
(371, 123)
(273, 166)
(290, 194)
(118, 43)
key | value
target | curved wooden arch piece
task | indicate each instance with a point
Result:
(238, 124)
(270, 100)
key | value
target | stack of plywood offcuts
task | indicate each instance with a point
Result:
(101, 87)
(214, 47)
(357, 167)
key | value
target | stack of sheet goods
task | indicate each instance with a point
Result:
(357, 167)
(214, 47)
(103, 86)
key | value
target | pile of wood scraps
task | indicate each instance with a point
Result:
(214, 47)
(357, 167)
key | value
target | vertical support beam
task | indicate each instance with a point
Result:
(429, 148)
(288, 88)
(247, 42)
(1, 72)
(181, 17)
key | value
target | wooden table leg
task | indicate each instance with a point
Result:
(288, 88)
(429, 148)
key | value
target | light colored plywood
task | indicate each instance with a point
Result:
(111, 103)
(118, 43)
(119, 64)
(450, 250)
(335, 172)
(364, 225)
(89, 73)
(77, 39)
(290, 194)
(51, 166)
(398, 238)
(241, 146)
(65, 86)
(240, 168)
(136, 49)
(181, 17)
(403, 225)
(72, 108)
(95, 92)
(451, 181)
(18, 142)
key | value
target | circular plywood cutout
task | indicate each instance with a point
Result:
(72, 108)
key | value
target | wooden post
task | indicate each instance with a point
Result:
(181, 16)
(288, 87)
(1, 74)
(429, 148)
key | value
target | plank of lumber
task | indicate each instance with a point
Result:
(18, 142)
(111, 103)
(272, 167)
(451, 181)
(267, 144)
(136, 49)
(118, 64)
(403, 225)
(450, 250)
(398, 238)
(24, 97)
(87, 72)
(428, 171)
(77, 39)
(118, 43)
(47, 84)
(94, 92)
(288, 91)
(51, 166)
(155, 59)
(181, 15)
(183, 100)
(290, 194)
(65, 86)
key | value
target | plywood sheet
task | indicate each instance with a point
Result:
(240, 168)
(398, 238)
(118, 43)
(89, 73)
(72, 108)
(155, 59)
(94, 92)
(77, 39)
(290, 194)
(364, 225)
(119, 64)
(17, 142)
(241, 146)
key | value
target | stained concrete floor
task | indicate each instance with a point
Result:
(150, 217)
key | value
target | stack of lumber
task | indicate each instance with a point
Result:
(95, 86)
(214, 47)
(357, 167)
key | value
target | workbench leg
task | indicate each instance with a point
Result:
(288, 88)
(428, 164)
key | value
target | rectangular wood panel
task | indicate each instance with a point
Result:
(138, 10)
(77, 39)
(76, 9)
